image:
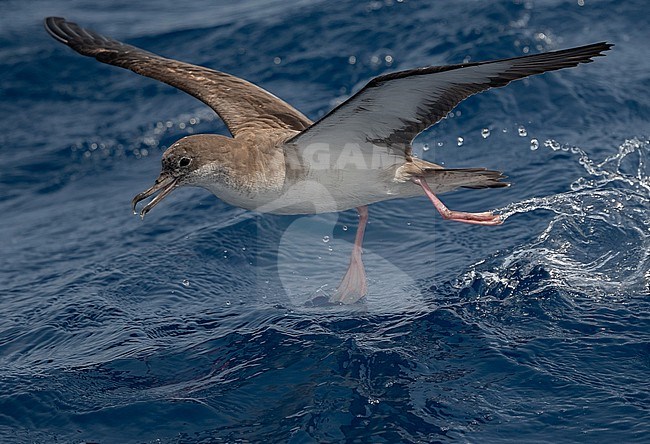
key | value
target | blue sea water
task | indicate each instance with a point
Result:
(192, 325)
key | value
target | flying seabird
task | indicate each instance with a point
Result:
(278, 161)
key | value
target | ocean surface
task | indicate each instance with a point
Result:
(195, 325)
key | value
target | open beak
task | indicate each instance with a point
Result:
(165, 184)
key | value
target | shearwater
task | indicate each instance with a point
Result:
(278, 161)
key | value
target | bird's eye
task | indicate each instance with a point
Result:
(185, 161)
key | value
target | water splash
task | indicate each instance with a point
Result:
(596, 244)
(602, 184)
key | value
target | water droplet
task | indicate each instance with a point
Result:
(326, 239)
(485, 133)
(186, 283)
(277, 60)
(329, 248)
(552, 144)
(522, 131)
(534, 144)
(352, 60)
(345, 228)
(228, 303)
(441, 143)
(460, 141)
(425, 147)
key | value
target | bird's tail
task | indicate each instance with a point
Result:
(466, 177)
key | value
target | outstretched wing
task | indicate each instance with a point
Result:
(240, 104)
(392, 109)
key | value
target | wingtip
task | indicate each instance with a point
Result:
(53, 27)
(52, 19)
(606, 46)
(599, 48)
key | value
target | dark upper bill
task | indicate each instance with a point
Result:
(164, 185)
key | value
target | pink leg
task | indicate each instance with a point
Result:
(353, 285)
(487, 218)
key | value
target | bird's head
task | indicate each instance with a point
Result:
(185, 163)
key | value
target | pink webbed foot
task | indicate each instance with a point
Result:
(485, 218)
(353, 285)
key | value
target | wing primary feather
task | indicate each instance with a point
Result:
(243, 106)
(394, 108)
